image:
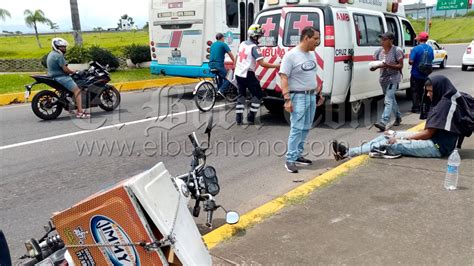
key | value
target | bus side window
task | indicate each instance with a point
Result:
(231, 9)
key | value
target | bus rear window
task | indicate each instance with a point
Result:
(270, 25)
(295, 23)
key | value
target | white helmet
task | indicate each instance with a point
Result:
(255, 30)
(58, 42)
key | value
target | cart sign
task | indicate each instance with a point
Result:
(452, 4)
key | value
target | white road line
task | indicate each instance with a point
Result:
(94, 130)
(453, 66)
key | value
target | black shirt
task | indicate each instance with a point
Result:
(445, 141)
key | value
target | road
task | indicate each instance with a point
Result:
(47, 166)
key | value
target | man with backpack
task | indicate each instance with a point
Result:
(390, 77)
(421, 59)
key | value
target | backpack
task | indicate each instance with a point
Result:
(425, 66)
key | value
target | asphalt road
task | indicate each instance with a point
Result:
(48, 166)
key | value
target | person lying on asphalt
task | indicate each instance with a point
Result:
(450, 119)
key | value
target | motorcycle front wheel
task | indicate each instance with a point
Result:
(109, 99)
(205, 96)
(46, 105)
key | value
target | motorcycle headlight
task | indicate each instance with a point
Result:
(210, 180)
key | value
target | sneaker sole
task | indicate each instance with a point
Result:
(303, 163)
(380, 128)
(383, 156)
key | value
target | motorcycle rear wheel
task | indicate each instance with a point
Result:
(46, 105)
(109, 99)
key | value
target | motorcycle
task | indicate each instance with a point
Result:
(153, 195)
(48, 105)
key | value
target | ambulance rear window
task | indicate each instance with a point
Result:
(270, 25)
(295, 23)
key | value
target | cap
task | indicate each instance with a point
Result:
(387, 35)
(422, 36)
(219, 36)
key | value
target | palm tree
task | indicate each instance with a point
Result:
(4, 13)
(76, 23)
(53, 26)
(33, 18)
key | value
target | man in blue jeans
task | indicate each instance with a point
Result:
(299, 89)
(390, 77)
(418, 78)
(216, 61)
(451, 117)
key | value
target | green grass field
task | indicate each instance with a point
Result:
(26, 46)
(10, 83)
(450, 30)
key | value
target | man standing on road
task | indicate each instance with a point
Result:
(248, 57)
(216, 61)
(299, 89)
(57, 68)
(390, 77)
(422, 52)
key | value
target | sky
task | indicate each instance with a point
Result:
(93, 13)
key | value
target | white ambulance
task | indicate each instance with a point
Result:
(349, 37)
(182, 31)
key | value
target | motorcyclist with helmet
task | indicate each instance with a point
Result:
(247, 58)
(58, 69)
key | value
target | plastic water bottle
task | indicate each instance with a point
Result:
(452, 172)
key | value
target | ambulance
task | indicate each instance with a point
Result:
(349, 37)
(182, 31)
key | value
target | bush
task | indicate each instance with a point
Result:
(137, 53)
(77, 55)
(469, 14)
(103, 57)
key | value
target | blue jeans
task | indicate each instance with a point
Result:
(390, 103)
(222, 82)
(414, 148)
(301, 120)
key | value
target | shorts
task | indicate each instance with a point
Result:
(67, 82)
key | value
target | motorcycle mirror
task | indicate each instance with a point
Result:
(4, 251)
(232, 217)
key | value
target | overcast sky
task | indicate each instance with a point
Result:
(93, 13)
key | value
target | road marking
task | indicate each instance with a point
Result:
(259, 214)
(16, 145)
(451, 66)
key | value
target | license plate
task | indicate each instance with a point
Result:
(177, 60)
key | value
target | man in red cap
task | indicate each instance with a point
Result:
(421, 59)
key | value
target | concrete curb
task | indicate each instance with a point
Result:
(267, 210)
(19, 97)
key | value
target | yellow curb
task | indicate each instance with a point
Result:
(257, 215)
(19, 97)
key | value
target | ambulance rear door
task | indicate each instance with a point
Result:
(343, 52)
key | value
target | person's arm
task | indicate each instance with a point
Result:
(425, 134)
(262, 63)
(397, 66)
(286, 93)
(62, 63)
(412, 56)
(231, 55)
(67, 70)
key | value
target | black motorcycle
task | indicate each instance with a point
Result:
(93, 82)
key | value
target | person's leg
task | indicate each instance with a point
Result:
(395, 108)
(78, 99)
(240, 107)
(388, 101)
(310, 112)
(365, 148)
(256, 91)
(296, 127)
(223, 82)
(415, 148)
(415, 96)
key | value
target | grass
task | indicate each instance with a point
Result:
(10, 83)
(13, 47)
(449, 30)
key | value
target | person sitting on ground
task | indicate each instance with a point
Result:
(451, 116)
(57, 68)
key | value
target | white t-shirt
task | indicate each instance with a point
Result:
(300, 67)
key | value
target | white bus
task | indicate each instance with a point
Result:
(181, 32)
(349, 37)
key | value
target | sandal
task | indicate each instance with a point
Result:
(82, 115)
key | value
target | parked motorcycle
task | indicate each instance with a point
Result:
(93, 82)
(155, 198)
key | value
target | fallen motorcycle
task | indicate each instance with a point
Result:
(143, 220)
(93, 82)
